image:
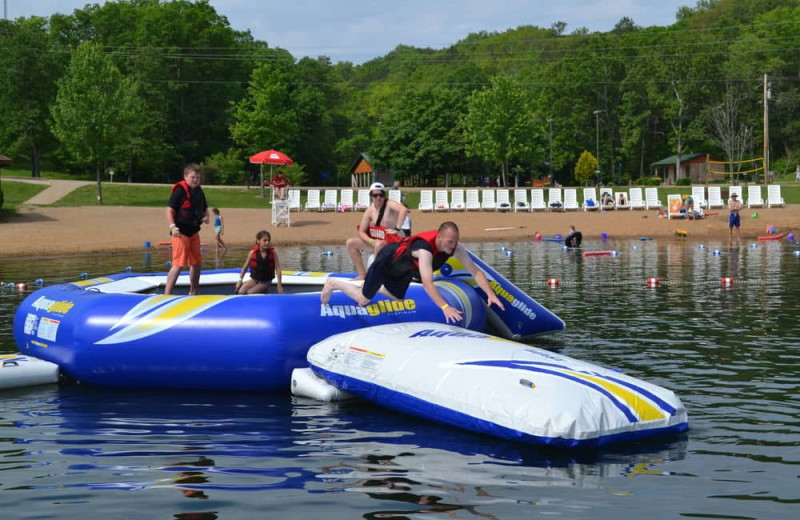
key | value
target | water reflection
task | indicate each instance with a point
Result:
(730, 353)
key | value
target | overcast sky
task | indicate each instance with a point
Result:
(359, 30)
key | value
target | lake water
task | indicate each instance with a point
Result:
(731, 354)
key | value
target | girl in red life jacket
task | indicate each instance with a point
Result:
(264, 266)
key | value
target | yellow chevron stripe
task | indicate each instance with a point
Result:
(177, 311)
(643, 409)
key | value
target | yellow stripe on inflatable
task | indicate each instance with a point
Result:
(643, 409)
(93, 281)
(178, 312)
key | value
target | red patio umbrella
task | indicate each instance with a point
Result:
(270, 157)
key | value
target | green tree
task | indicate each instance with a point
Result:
(190, 66)
(419, 135)
(266, 118)
(95, 111)
(27, 88)
(499, 125)
(586, 167)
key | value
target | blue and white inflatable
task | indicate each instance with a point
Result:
(494, 386)
(17, 370)
(118, 331)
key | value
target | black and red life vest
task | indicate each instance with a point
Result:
(192, 209)
(429, 237)
(262, 269)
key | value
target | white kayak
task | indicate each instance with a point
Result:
(494, 386)
(17, 370)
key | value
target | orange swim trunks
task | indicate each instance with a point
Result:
(186, 250)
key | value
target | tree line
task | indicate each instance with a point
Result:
(145, 86)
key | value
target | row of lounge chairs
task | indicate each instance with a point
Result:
(558, 199)
(333, 199)
(566, 199)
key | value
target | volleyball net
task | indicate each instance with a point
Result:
(752, 165)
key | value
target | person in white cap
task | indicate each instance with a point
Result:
(734, 220)
(379, 226)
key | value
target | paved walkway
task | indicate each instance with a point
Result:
(55, 191)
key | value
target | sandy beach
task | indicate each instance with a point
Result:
(42, 230)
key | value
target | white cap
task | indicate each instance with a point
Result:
(376, 186)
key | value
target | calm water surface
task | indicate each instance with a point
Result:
(731, 354)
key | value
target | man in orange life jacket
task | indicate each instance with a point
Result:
(397, 263)
(380, 225)
(186, 210)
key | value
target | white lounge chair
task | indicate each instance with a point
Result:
(425, 200)
(441, 203)
(738, 191)
(294, 200)
(457, 200)
(473, 200)
(503, 202)
(699, 197)
(329, 203)
(607, 206)
(312, 202)
(674, 206)
(623, 201)
(362, 200)
(487, 200)
(651, 198)
(774, 198)
(346, 201)
(537, 199)
(635, 198)
(571, 199)
(521, 200)
(554, 201)
(754, 198)
(395, 195)
(715, 197)
(590, 202)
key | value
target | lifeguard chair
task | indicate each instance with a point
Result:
(281, 216)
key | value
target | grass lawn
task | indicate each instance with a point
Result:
(15, 193)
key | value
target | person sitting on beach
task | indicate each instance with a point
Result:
(380, 224)
(396, 264)
(264, 266)
(574, 238)
(621, 199)
(607, 201)
(688, 206)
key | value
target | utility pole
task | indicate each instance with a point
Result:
(597, 139)
(766, 130)
(550, 122)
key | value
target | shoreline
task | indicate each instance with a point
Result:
(53, 231)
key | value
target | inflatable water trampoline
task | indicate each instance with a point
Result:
(119, 331)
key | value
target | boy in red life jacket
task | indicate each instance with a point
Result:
(397, 263)
(380, 225)
(264, 266)
(186, 211)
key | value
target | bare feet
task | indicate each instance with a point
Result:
(327, 289)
